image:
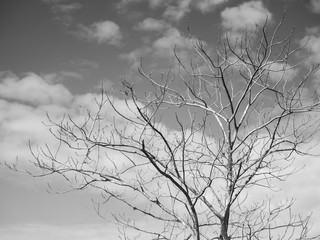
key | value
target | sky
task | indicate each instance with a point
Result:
(56, 53)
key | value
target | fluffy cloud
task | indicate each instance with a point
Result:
(311, 42)
(20, 121)
(156, 3)
(244, 16)
(172, 38)
(63, 11)
(32, 89)
(178, 11)
(61, 76)
(102, 32)
(312, 39)
(280, 71)
(66, 8)
(24, 103)
(208, 5)
(175, 10)
(122, 5)
(105, 84)
(151, 24)
(51, 232)
(315, 6)
(134, 57)
(53, 1)
(162, 47)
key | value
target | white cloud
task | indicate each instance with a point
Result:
(122, 5)
(172, 38)
(102, 32)
(24, 103)
(62, 232)
(32, 89)
(278, 71)
(63, 11)
(315, 6)
(178, 11)
(208, 5)
(312, 42)
(19, 122)
(53, 1)
(106, 84)
(161, 50)
(158, 55)
(61, 76)
(151, 24)
(66, 8)
(302, 187)
(245, 16)
(312, 39)
(175, 10)
(135, 56)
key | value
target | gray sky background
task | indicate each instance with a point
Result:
(56, 53)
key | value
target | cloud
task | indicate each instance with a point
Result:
(245, 16)
(53, 1)
(312, 38)
(102, 32)
(312, 42)
(32, 89)
(151, 24)
(175, 10)
(105, 84)
(62, 76)
(160, 52)
(171, 39)
(83, 63)
(24, 103)
(66, 8)
(315, 6)
(208, 5)
(63, 11)
(123, 4)
(301, 186)
(161, 49)
(178, 11)
(20, 121)
(135, 56)
(156, 3)
(278, 71)
(52, 232)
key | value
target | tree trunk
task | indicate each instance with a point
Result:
(224, 225)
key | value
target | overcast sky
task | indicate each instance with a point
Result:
(55, 53)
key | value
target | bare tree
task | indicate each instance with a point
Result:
(239, 115)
